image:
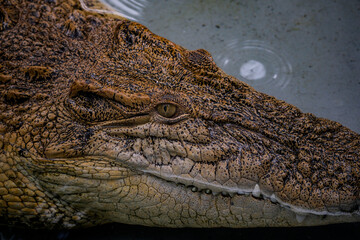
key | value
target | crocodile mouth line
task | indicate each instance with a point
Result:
(207, 188)
(200, 187)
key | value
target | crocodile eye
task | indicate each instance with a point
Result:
(167, 110)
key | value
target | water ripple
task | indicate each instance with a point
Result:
(255, 62)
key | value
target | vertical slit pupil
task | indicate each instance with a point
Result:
(167, 110)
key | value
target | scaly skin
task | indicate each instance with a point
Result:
(103, 121)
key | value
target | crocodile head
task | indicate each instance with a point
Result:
(154, 134)
(136, 129)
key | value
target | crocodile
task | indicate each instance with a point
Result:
(103, 121)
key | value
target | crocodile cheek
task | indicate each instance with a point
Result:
(232, 168)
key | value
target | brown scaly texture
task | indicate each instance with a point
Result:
(103, 121)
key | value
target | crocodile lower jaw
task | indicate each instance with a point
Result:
(254, 191)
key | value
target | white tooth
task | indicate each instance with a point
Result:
(256, 192)
(273, 198)
(300, 218)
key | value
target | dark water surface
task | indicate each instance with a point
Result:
(122, 231)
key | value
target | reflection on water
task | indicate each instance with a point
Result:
(255, 62)
(130, 9)
(252, 70)
(91, 6)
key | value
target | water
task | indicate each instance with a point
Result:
(256, 63)
(130, 232)
(309, 50)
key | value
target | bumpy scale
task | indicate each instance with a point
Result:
(103, 121)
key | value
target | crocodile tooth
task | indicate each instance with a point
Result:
(300, 218)
(256, 192)
(273, 198)
(208, 191)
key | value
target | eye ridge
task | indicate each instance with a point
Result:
(91, 108)
(167, 110)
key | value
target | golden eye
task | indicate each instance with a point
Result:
(167, 110)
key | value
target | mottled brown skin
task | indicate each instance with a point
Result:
(103, 121)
